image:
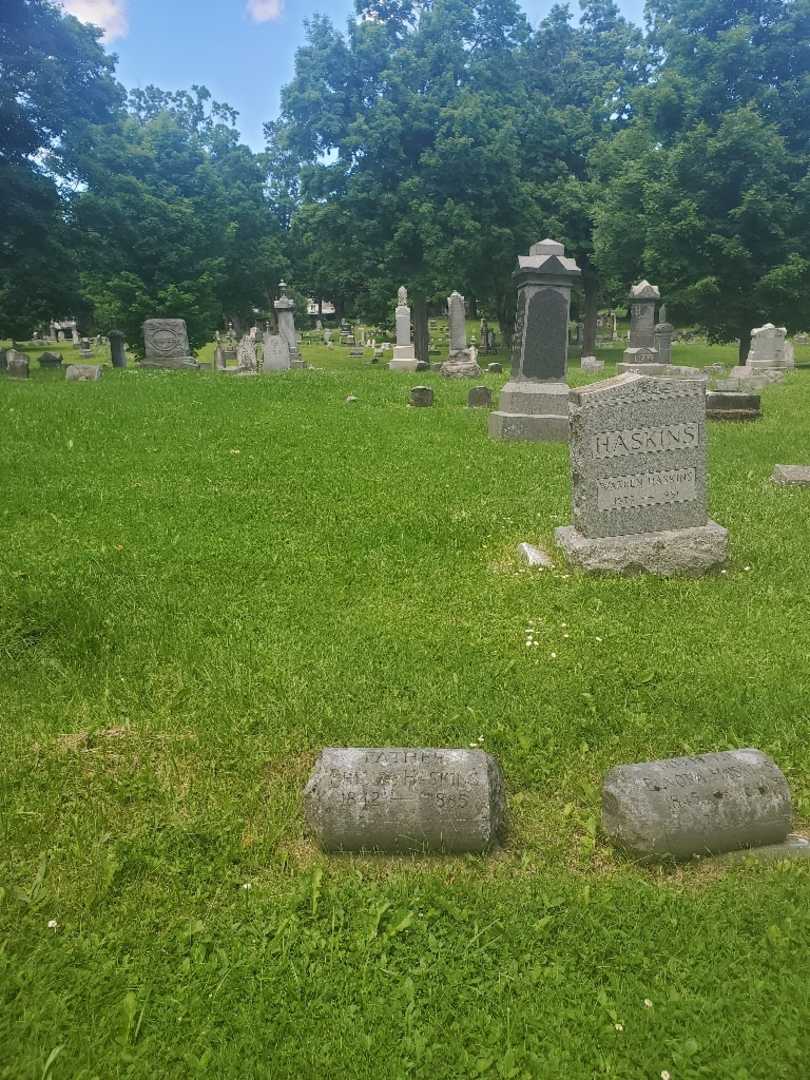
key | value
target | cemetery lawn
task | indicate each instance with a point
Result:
(205, 580)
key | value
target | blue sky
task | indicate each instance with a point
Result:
(242, 50)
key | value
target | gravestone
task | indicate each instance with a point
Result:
(83, 373)
(166, 344)
(16, 364)
(246, 355)
(462, 362)
(770, 351)
(422, 365)
(721, 405)
(276, 353)
(406, 800)
(590, 363)
(638, 465)
(50, 360)
(285, 308)
(792, 474)
(421, 396)
(404, 358)
(480, 397)
(643, 299)
(219, 359)
(534, 402)
(3, 355)
(705, 805)
(117, 351)
(663, 342)
(495, 368)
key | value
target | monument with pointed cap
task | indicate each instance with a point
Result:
(404, 355)
(534, 403)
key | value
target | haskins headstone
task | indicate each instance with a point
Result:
(704, 805)
(533, 404)
(393, 799)
(638, 468)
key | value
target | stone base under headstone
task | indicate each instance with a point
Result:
(175, 363)
(798, 475)
(674, 551)
(590, 363)
(532, 412)
(661, 371)
(733, 406)
(793, 847)
(404, 359)
(299, 364)
(461, 365)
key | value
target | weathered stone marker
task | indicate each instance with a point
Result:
(638, 465)
(792, 474)
(644, 298)
(421, 396)
(405, 800)
(276, 353)
(590, 363)
(722, 405)
(16, 364)
(495, 368)
(285, 308)
(83, 373)
(534, 402)
(480, 397)
(50, 360)
(462, 361)
(709, 804)
(117, 353)
(166, 344)
(404, 356)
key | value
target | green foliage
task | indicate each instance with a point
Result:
(183, 626)
(174, 220)
(56, 79)
(707, 192)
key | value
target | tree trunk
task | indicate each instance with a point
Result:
(505, 304)
(745, 346)
(590, 284)
(421, 334)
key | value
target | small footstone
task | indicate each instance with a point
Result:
(83, 373)
(422, 365)
(393, 799)
(704, 805)
(480, 397)
(495, 368)
(421, 396)
(722, 405)
(590, 363)
(535, 557)
(791, 474)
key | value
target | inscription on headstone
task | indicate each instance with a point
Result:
(276, 353)
(166, 344)
(405, 800)
(544, 355)
(708, 804)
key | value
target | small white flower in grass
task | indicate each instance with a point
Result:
(563, 625)
(647, 1003)
(597, 639)
(473, 745)
(566, 635)
(53, 924)
(746, 568)
(619, 1027)
(247, 885)
(236, 451)
(724, 571)
(665, 1075)
(553, 655)
(480, 738)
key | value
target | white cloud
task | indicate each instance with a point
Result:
(110, 15)
(265, 10)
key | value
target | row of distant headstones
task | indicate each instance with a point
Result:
(453, 800)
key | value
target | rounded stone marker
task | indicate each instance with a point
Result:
(422, 365)
(495, 368)
(421, 396)
(480, 397)
(395, 799)
(704, 805)
(83, 373)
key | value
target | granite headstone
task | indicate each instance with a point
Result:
(166, 344)
(393, 799)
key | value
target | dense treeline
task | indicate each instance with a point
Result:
(427, 144)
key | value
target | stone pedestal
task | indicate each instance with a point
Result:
(404, 358)
(534, 403)
(722, 405)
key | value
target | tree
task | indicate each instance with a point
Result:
(174, 219)
(707, 192)
(56, 81)
(407, 140)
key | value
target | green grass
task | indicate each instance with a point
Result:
(205, 580)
